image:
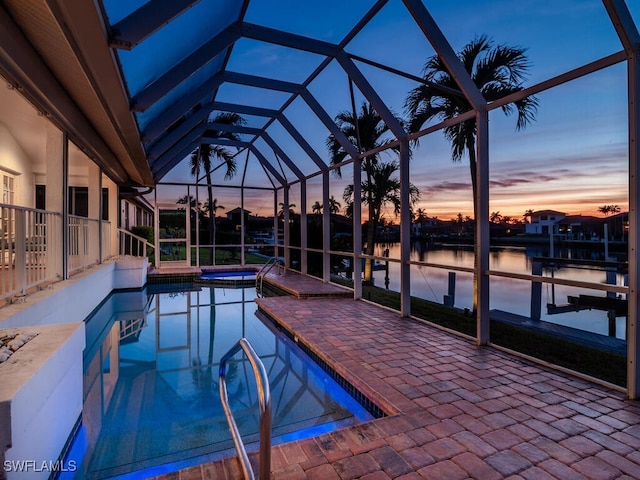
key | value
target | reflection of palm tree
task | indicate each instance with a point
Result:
(367, 130)
(496, 71)
(201, 159)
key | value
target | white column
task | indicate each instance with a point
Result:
(357, 228)
(326, 229)
(482, 227)
(285, 227)
(304, 225)
(113, 215)
(242, 227)
(633, 330)
(405, 231)
(275, 224)
(55, 197)
(95, 200)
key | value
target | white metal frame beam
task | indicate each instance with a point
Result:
(630, 38)
(152, 16)
(439, 42)
(180, 72)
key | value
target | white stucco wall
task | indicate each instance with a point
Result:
(42, 392)
(41, 399)
(74, 299)
(14, 160)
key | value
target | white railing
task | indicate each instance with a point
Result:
(130, 244)
(79, 245)
(27, 238)
(84, 247)
(106, 239)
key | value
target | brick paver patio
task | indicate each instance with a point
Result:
(455, 410)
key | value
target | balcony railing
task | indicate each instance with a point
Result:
(130, 244)
(84, 248)
(27, 236)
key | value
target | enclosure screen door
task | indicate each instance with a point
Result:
(173, 236)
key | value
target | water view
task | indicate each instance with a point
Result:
(512, 295)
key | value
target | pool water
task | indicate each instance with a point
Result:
(244, 275)
(151, 383)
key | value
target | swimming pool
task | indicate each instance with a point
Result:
(238, 278)
(151, 383)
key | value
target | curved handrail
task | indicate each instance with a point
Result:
(264, 398)
(266, 268)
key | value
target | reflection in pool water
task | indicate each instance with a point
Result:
(151, 383)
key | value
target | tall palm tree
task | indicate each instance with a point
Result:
(211, 209)
(497, 71)
(202, 160)
(379, 188)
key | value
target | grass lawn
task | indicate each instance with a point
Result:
(227, 256)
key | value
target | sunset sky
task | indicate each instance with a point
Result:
(573, 158)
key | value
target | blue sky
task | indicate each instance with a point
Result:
(573, 158)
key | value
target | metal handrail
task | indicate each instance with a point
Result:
(262, 273)
(272, 261)
(264, 398)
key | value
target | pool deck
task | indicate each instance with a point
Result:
(455, 410)
(302, 286)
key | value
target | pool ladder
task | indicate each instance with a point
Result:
(264, 399)
(266, 268)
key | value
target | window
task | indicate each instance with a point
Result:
(79, 201)
(105, 203)
(41, 197)
(8, 190)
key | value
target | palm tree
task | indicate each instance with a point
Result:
(291, 211)
(202, 160)
(381, 189)
(334, 205)
(211, 210)
(528, 214)
(607, 209)
(497, 71)
(367, 130)
(317, 208)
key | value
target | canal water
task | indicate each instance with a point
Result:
(506, 294)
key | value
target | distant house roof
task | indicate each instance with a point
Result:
(237, 210)
(548, 212)
(577, 219)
